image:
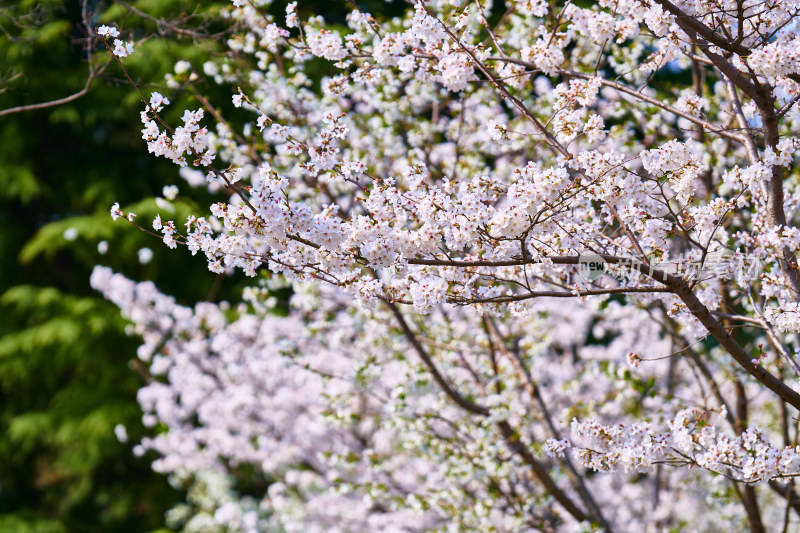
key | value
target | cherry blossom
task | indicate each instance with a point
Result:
(429, 201)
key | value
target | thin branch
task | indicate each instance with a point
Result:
(54, 103)
(451, 393)
(93, 74)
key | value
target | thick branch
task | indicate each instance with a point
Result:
(533, 391)
(713, 326)
(451, 393)
(511, 437)
(539, 469)
(677, 286)
(689, 23)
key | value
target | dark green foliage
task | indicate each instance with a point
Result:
(65, 384)
(68, 373)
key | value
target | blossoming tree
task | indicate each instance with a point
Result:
(542, 259)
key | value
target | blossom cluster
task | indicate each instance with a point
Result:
(749, 457)
(121, 48)
(428, 199)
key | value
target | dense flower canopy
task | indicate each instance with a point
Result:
(542, 262)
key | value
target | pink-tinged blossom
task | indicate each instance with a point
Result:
(116, 212)
(157, 102)
(291, 15)
(107, 31)
(121, 48)
(326, 44)
(512, 257)
(456, 71)
(556, 448)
